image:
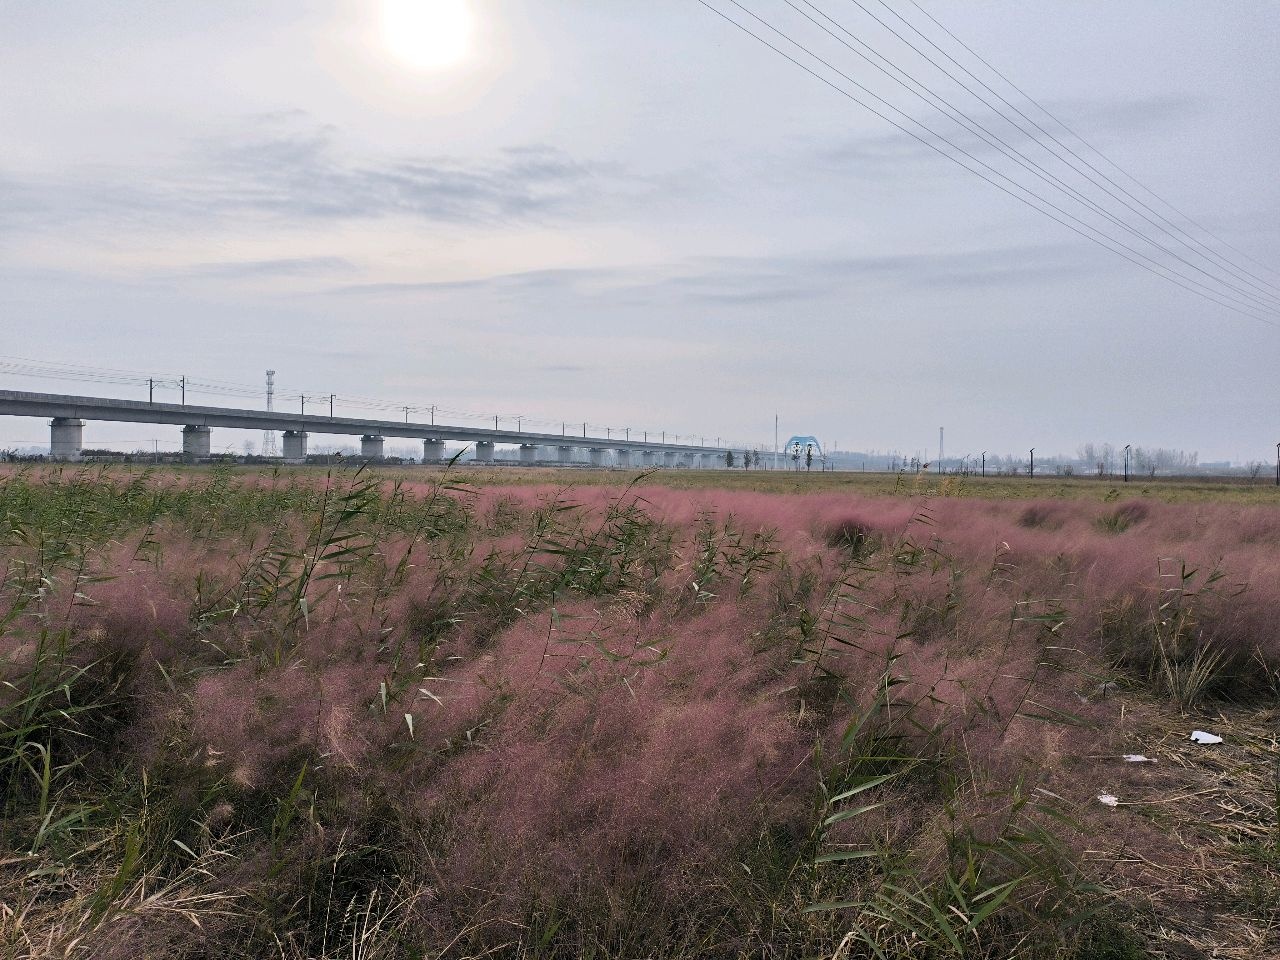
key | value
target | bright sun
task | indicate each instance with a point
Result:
(428, 34)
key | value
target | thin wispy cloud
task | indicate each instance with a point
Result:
(295, 173)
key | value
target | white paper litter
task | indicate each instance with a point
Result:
(1108, 799)
(1137, 758)
(1199, 736)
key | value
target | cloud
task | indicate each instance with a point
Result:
(306, 175)
(521, 283)
(1098, 121)
(287, 267)
(735, 282)
(286, 167)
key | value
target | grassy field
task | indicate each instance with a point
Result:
(486, 712)
(1261, 490)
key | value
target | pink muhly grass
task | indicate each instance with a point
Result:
(616, 779)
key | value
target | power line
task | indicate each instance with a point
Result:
(1101, 239)
(1250, 304)
(1190, 241)
(1263, 300)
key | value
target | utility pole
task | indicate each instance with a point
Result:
(1126, 463)
(331, 396)
(151, 390)
(775, 441)
(433, 414)
(183, 383)
(269, 436)
(303, 398)
(519, 426)
(984, 463)
(406, 414)
(1278, 464)
(495, 421)
(1033, 461)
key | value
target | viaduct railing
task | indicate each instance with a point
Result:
(67, 416)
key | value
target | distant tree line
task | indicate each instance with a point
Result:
(1107, 458)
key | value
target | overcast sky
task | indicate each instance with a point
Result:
(633, 214)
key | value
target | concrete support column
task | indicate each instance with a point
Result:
(648, 458)
(528, 453)
(295, 446)
(372, 447)
(597, 456)
(622, 458)
(484, 451)
(195, 441)
(710, 461)
(432, 451)
(566, 453)
(669, 458)
(66, 438)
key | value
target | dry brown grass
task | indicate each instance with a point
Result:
(1194, 845)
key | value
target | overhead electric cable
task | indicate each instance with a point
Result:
(1186, 239)
(1263, 300)
(1093, 235)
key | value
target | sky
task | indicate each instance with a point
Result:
(635, 215)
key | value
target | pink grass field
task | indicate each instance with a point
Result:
(579, 754)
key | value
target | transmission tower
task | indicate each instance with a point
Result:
(269, 436)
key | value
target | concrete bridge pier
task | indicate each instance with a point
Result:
(432, 451)
(295, 446)
(529, 453)
(648, 458)
(622, 458)
(709, 461)
(196, 442)
(372, 447)
(565, 453)
(597, 456)
(669, 458)
(66, 438)
(484, 451)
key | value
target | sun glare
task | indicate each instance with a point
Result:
(428, 34)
